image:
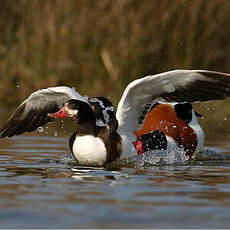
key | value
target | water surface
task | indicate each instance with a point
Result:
(37, 190)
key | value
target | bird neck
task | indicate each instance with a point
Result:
(86, 128)
(86, 125)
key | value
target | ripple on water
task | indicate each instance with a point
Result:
(45, 187)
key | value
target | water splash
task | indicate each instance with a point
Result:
(169, 158)
(210, 155)
(68, 159)
(164, 157)
(40, 129)
(62, 124)
(172, 157)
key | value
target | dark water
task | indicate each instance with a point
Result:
(36, 191)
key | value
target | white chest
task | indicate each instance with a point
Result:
(89, 150)
(200, 134)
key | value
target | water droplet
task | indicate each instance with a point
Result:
(40, 129)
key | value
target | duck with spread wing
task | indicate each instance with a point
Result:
(154, 112)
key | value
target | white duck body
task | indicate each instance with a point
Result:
(89, 150)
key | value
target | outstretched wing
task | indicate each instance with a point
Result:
(172, 86)
(32, 113)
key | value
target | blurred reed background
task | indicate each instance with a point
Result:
(98, 47)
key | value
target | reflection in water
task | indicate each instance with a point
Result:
(42, 187)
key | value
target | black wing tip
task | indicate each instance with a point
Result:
(2, 136)
(12, 128)
(212, 73)
(6, 133)
(3, 132)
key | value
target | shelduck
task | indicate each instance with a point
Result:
(152, 108)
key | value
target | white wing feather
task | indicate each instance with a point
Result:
(144, 90)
